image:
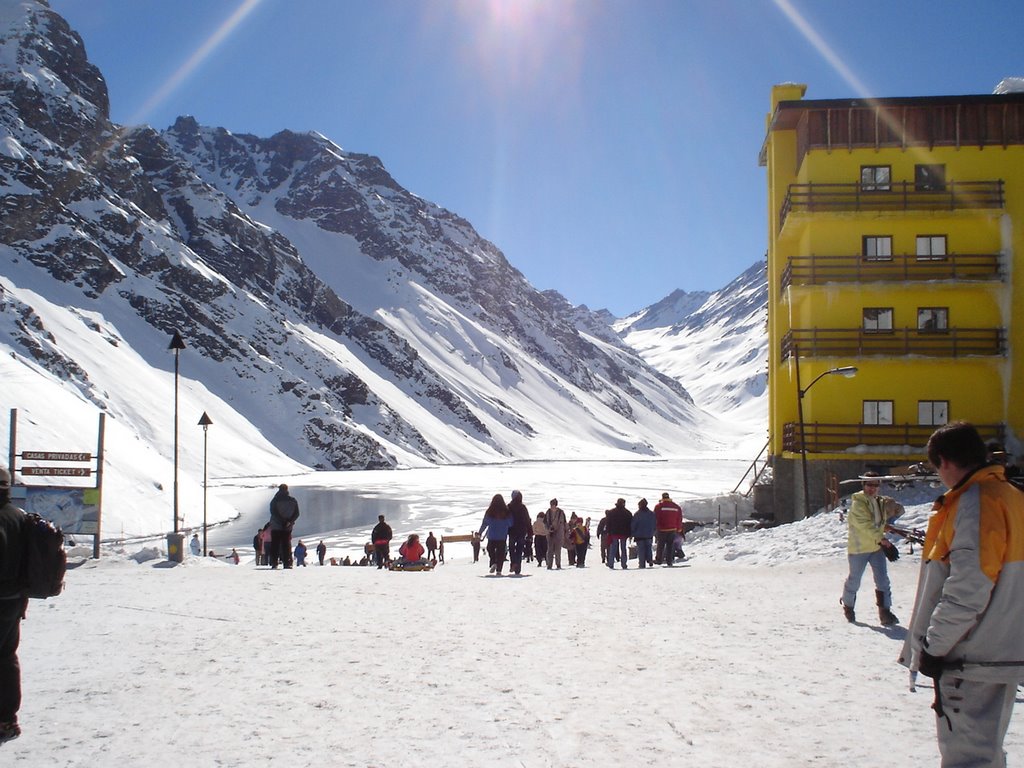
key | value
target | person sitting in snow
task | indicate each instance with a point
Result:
(411, 552)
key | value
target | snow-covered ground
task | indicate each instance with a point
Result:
(739, 656)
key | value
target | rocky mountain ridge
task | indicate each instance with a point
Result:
(352, 323)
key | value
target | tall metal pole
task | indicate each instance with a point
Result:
(177, 344)
(803, 434)
(204, 421)
(844, 370)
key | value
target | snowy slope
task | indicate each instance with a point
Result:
(714, 344)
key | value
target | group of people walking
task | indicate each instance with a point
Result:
(512, 534)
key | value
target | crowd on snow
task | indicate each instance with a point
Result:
(511, 533)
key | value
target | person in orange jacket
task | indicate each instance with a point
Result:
(967, 629)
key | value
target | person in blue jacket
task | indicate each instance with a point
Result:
(497, 521)
(643, 529)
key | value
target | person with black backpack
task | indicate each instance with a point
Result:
(12, 609)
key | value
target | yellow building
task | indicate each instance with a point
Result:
(896, 247)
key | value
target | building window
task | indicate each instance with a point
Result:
(930, 178)
(877, 319)
(932, 413)
(931, 247)
(878, 411)
(877, 248)
(932, 319)
(875, 178)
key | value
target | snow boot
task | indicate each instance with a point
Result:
(848, 611)
(885, 616)
(9, 731)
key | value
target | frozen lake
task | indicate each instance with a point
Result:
(342, 507)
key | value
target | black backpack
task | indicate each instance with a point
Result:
(43, 560)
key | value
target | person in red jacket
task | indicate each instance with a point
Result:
(412, 551)
(669, 518)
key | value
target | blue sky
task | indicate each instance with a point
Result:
(608, 147)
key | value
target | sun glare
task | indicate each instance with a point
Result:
(195, 59)
(516, 43)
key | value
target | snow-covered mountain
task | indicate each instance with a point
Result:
(714, 344)
(331, 318)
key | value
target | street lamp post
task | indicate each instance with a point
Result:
(847, 371)
(177, 344)
(204, 421)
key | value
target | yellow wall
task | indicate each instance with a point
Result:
(985, 389)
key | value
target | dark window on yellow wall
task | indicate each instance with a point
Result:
(877, 319)
(930, 178)
(933, 319)
(877, 247)
(875, 178)
(932, 413)
(931, 247)
(878, 411)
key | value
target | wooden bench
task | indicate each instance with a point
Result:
(455, 538)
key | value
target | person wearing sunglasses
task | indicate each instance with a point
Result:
(866, 545)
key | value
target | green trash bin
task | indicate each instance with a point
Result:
(176, 547)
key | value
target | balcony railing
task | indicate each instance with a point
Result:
(881, 438)
(856, 342)
(816, 270)
(899, 196)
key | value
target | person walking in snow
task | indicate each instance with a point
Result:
(866, 545)
(475, 542)
(300, 554)
(321, 551)
(602, 536)
(266, 544)
(540, 539)
(497, 521)
(642, 529)
(669, 520)
(579, 535)
(195, 546)
(521, 526)
(619, 527)
(558, 531)
(431, 546)
(570, 540)
(381, 537)
(284, 511)
(257, 545)
(967, 628)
